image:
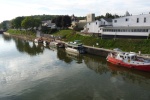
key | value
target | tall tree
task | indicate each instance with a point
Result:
(26, 23)
(62, 21)
(66, 21)
(16, 23)
(30, 22)
(5, 25)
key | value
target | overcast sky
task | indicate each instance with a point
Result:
(10, 9)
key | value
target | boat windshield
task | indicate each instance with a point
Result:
(133, 57)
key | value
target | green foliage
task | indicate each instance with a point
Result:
(30, 22)
(5, 25)
(26, 23)
(107, 15)
(16, 23)
(45, 17)
(62, 21)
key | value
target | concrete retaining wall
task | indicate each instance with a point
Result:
(97, 51)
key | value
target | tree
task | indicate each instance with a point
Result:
(108, 15)
(62, 21)
(30, 22)
(16, 23)
(26, 23)
(5, 25)
(66, 21)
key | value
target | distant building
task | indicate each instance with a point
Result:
(90, 17)
(127, 26)
(77, 24)
(49, 24)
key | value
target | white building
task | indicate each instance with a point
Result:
(130, 26)
(97, 26)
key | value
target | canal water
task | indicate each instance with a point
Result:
(33, 72)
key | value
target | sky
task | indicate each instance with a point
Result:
(11, 9)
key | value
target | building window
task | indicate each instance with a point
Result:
(127, 19)
(144, 20)
(137, 20)
(115, 21)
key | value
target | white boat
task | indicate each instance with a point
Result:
(53, 44)
(75, 47)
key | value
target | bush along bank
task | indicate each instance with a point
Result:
(133, 45)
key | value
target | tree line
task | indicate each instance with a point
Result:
(107, 15)
(35, 21)
(61, 21)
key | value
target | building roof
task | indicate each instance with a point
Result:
(108, 19)
(127, 27)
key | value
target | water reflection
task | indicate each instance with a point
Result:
(46, 77)
(68, 57)
(101, 66)
(96, 63)
(28, 47)
(128, 74)
(25, 46)
(6, 38)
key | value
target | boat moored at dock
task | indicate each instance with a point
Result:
(38, 40)
(129, 60)
(75, 47)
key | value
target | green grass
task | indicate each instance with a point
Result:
(22, 32)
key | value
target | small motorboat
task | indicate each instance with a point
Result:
(45, 43)
(76, 47)
(38, 40)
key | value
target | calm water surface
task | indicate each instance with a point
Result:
(34, 72)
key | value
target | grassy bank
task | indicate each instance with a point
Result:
(133, 45)
(22, 34)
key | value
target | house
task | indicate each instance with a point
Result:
(96, 27)
(49, 24)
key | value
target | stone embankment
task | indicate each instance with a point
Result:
(24, 37)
